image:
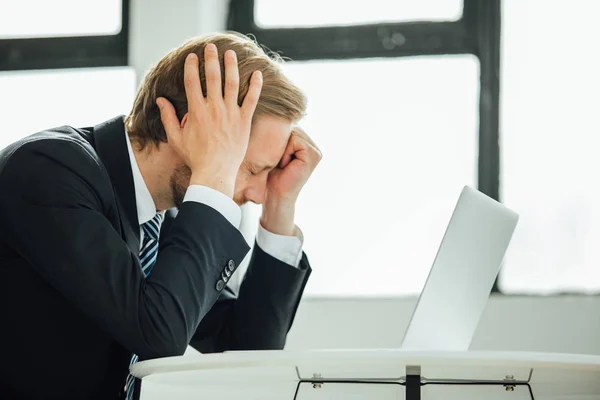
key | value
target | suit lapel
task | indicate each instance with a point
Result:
(109, 138)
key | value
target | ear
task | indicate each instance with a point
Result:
(184, 120)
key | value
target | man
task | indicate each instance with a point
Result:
(86, 289)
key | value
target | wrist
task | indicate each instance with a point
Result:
(214, 181)
(278, 217)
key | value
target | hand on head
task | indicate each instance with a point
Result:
(213, 136)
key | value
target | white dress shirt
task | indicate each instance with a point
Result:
(287, 249)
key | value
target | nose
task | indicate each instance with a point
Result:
(257, 193)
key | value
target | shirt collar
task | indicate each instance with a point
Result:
(146, 209)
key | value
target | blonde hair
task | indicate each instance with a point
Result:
(279, 96)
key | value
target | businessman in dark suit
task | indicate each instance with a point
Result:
(95, 275)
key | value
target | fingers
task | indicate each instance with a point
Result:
(287, 154)
(287, 158)
(212, 70)
(305, 149)
(191, 79)
(303, 137)
(300, 132)
(170, 122)
(232, 78)
(251, 99)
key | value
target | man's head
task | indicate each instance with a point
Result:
(281, 104)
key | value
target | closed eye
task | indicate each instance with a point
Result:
(256, 170)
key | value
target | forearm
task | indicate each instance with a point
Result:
(278, 217)
(185, 288)
(90, 265)
(267, 302)
(225, 327)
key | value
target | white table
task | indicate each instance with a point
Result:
(371, 374)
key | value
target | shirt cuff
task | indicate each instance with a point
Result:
(216, 200)
(287, 249)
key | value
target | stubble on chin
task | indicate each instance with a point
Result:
(180, 180)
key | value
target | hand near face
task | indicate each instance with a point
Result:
(284, 183)
(300, 159)
(213, 136)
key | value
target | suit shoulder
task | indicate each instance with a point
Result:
(59, 164)
(64, 146)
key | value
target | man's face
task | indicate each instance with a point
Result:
(268, 140)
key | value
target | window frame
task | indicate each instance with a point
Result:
(68, 52)
(477, 32)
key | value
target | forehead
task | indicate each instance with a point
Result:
(269, 137)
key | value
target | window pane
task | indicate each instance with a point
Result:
(293, 13)
(550, 160)
(399, 141)
(46, 18)
(33, 101)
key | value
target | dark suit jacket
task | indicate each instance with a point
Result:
(74, 303)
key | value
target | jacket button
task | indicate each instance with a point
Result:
(227, 272)
(231, 265)
(220, 285)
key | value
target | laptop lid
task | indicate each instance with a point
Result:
(462, 275)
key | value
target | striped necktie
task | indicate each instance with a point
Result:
(148, 254)
(149, 249)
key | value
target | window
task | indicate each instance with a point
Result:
(375, 211)
(286, 13)
(30, 18)
(82, 97)
(550, 157)
(79, 33)
(405, 113)
(379, 201)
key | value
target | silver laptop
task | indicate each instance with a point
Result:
(462, 275)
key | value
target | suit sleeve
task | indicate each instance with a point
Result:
(54, 212)
(260, 317)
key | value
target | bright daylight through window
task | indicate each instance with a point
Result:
(292, 13)
(30, 18)
(399, 137)
(549, 145)
(78, 97)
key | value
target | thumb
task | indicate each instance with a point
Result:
(169, 119)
